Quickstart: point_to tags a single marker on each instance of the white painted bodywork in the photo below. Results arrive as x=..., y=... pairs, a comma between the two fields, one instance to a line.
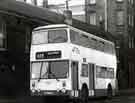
x=76, y=53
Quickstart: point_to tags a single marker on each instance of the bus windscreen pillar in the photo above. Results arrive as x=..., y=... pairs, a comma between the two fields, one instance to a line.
x=68, y=17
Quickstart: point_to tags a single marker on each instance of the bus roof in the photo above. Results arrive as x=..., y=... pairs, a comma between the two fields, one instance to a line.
x=53, y=26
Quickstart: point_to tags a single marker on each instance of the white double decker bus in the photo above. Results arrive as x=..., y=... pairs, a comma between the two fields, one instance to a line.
x=67, y=61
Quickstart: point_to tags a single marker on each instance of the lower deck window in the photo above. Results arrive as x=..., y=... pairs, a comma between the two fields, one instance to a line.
x=84, y=72
x=104, y=72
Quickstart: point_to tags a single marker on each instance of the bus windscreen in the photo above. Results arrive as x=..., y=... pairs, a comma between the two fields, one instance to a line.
x=49, y=70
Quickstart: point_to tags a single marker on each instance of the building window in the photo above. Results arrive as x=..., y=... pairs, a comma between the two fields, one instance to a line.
x=131, y=20
x=92, y=1
x=2, y=35
x=93, y=18
x=132, y=1
x=131, y=42
x=120, y=17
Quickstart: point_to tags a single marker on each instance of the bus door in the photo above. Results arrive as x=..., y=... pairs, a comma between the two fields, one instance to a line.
x=74, y=75
x=91, y=78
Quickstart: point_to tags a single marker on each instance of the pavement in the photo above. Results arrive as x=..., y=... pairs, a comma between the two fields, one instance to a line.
x=124, y=96
x=127, y=92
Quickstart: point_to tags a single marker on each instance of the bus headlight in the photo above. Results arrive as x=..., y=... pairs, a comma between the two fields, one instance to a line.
x=33, y=84
x=63, y=90
x=72, y=93
x=38, y=90
x=64, y=84
x=33, y=90
x=58, y=90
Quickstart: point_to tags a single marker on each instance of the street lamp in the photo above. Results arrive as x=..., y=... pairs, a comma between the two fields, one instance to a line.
x=67, y=6
x=68, y=14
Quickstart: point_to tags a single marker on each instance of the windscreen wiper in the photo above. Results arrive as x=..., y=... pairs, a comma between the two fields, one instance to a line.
x=50, y=73
x=40, y=72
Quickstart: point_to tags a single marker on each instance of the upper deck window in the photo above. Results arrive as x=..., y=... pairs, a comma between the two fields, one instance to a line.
x=91, y=42
x=40, y=37
x=79, y=38
x=57, y=36
x=50, y=36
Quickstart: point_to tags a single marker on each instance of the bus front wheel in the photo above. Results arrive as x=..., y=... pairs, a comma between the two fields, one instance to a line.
x=84, y=93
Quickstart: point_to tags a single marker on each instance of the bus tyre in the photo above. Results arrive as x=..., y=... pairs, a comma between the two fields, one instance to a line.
x=84, y=93
x=109, y=91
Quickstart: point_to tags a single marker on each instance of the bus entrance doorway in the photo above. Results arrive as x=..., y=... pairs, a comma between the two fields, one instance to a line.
x=91, y=79
x=74, y=71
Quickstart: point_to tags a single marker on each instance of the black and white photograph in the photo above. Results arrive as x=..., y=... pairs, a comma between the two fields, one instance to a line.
x=67, y=51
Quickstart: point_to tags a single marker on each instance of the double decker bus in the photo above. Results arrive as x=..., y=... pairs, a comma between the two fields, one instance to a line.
x=67, y=61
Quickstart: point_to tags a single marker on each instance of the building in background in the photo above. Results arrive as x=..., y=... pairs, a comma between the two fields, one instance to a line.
x=116, y=17
x=131, y=42
x=96, y=12
x=120, y=22
x=76, y=6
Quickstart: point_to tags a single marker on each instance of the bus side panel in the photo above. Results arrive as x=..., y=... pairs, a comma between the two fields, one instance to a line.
x=100, y=92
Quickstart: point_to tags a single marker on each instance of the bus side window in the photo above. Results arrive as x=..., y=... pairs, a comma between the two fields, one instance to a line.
x=101, y=72
x=104, y=72
x=93, y=43
x=84, y=71
x=84, y=40
x=79, y=38
x=98, y=71
x=110, y=72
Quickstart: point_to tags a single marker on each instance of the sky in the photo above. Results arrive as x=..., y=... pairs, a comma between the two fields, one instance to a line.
x=55, y=2
x=71, y=2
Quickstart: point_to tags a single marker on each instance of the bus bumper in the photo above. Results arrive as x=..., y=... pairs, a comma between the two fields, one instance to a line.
x=50, y=93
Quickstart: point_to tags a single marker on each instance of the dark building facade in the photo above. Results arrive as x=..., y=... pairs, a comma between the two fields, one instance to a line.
x=131, y=43
x=14, y=54
x=15, y=36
